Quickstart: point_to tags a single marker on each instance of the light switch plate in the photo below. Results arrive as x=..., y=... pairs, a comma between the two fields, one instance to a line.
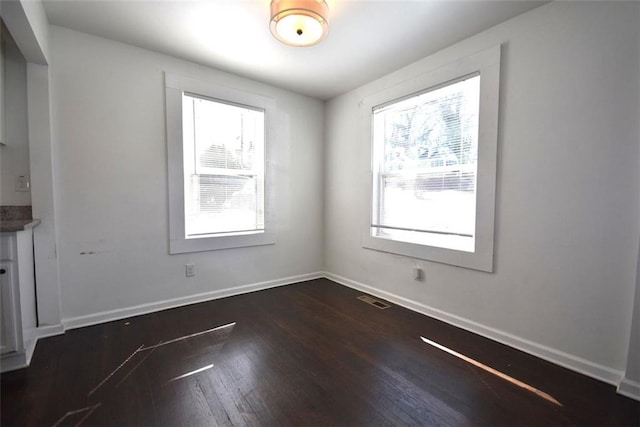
x=190, y=270
x=23, y=183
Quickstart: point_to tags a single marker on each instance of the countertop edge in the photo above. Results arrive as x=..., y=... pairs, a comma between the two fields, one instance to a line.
x=12, y=226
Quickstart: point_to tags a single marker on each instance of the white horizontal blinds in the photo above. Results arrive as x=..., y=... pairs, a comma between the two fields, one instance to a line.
x=426, y=152
x=224, y=167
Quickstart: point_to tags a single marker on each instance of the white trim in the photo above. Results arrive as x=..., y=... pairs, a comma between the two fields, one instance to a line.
x=569, y=361
x=629, y=388
x=29, y=348
x=123, y=313
x=603, y=373
x=487, y=64
x=43, y=194
x=42, y=332
x=48, y=331
x=18, y=360
x=174, y=87
x=13, y=361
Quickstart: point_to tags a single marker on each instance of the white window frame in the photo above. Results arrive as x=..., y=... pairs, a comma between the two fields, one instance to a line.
x=175, y=86
x=487, y=64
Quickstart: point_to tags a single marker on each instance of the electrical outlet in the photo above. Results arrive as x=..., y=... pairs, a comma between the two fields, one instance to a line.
x=418, y=274
x=190, y=270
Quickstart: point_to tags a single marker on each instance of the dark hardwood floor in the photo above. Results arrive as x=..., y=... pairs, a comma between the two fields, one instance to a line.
x=304, y=354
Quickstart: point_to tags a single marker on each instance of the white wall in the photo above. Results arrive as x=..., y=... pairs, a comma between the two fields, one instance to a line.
x=14, y=157
x=39, y=27
x=27, y=22
x=567, y=191
x=631, y=383
x=567, y=200
x=109, y=134
x=43, y=197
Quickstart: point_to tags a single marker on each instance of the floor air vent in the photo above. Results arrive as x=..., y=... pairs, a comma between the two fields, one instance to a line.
x=374, y=302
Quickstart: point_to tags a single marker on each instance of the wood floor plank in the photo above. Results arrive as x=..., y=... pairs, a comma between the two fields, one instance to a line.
x=304, y=354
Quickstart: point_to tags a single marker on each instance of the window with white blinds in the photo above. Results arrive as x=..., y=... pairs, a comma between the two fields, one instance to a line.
x=432, y=141
x=223, y=155
x=218, y=155
x=425, y=160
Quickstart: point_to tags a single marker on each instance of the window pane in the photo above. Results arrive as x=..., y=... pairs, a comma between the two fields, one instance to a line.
x=226, y=135
x=225, y=204
x=224, y=167
x=426, y=150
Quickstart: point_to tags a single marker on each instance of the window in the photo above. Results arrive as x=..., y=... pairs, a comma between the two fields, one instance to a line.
x=223, y=147
x=425, y=152
x=433, y=146
x=217, y=142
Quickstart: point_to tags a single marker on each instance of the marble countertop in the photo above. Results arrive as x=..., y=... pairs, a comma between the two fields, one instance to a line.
x=16, y=218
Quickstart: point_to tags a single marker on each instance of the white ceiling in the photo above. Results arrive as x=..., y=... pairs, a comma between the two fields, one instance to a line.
x=367, y=39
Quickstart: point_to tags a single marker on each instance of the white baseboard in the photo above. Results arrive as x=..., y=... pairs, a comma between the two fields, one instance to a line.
x=629, y=388
x=626, y=387
x=45, y=331
x=123, y=313
x=569, y=361
x=20, y=359
x=30, y=347
x=13, y=361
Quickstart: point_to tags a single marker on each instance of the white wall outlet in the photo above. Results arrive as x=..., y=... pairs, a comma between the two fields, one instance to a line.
x=190, y=270
x=418, y=274
x=23, y=183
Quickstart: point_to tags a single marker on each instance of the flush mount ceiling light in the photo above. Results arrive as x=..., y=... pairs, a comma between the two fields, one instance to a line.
x=299, y=22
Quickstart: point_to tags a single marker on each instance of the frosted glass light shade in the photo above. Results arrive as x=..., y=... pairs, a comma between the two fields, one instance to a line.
x=299, y=22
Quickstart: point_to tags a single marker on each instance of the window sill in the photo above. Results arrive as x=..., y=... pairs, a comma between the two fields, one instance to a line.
x=479, y=260
x=200, y=244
